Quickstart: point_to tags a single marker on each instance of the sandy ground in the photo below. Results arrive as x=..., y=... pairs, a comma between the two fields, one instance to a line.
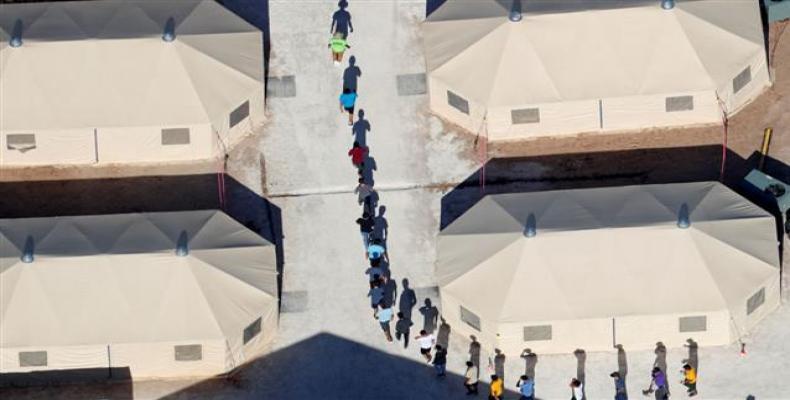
x=328, y=346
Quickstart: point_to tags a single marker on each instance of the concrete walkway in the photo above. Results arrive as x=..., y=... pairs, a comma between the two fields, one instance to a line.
x=328, y=345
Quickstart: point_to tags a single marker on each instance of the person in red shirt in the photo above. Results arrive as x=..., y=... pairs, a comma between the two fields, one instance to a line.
x=357, y=154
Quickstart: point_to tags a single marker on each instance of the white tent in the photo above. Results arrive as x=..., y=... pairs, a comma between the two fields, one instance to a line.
x=592, y=66
x=560, y=270
x=93, y=82
x=164, y=294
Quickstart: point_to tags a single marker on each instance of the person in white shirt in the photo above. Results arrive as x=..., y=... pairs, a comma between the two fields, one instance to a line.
x=577, y=389
x=426, y=341
x=470, y=378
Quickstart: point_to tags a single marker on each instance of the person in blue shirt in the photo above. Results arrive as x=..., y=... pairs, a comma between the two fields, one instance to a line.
x=619, y=386
x=347, y=101
x=385, y=316
x=526, y=387
x=376, y=251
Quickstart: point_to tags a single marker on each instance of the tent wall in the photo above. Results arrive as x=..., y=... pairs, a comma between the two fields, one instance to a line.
x=157, y=360
x=642, y=332
x=241, y=353
x=760, y=80
x=145, y=144
x=233, y=135
x=72, y=357
x=741, y=322
x=438, y=102
x=66, y=146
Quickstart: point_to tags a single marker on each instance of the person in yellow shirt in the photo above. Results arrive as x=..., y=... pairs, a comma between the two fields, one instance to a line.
x=690, y=379
x=497, y=388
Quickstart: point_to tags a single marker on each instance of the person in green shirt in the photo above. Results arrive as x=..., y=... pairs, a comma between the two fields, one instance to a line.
x=338, y=45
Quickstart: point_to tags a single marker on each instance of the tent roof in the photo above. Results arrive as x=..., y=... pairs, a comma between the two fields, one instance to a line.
x=579, y=50
x=607, y=252
x=117, y=279
x=104, y=64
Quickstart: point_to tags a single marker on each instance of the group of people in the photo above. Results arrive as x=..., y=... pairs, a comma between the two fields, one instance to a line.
x=382, y=292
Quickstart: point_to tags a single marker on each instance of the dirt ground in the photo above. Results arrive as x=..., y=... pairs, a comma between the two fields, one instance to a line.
x=745, y=133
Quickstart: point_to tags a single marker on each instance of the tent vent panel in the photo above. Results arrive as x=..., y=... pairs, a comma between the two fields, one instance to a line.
x=458, y=102
x=697, y=323
x=679, y=103
x=755, y=301
x=32, y=358
x=252, y=330
x=525, y=116
x=537, y=332
x=21, y=141
x=175, y=136
x=742, y=79
x=240, y=113
x=189, y=352
x=470, y=318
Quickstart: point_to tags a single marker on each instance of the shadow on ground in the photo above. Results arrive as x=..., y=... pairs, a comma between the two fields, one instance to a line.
x=323, y=366
x=607, y=169
x=145, y=194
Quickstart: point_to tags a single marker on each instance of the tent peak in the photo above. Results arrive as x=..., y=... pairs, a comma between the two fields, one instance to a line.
x=667, y=4
x=28, y=251
x=683, y=217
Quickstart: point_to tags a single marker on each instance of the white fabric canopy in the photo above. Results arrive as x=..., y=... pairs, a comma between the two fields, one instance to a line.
x=582, y=66
x=94, y=82
x=111, y=287
x=609, y=265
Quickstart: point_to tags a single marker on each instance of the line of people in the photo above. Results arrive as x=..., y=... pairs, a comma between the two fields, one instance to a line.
x=382, y=292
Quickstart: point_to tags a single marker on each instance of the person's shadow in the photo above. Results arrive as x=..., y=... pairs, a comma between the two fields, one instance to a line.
x=581, y=360
x=390, y=290
x=367, y=170
x=530, y=362
x=351, y=74
x=474, y=353
x=622, y=366
x=408, y=299
x=443, y=336
x=361, y=128
x=341, y=20
x=499, y=364
x=661, y=359
x=381, y=226
x=430, y=316
x=693, y=358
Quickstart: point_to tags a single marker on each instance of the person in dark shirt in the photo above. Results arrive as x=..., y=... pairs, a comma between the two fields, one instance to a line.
x=366, y=225
x=440, y=360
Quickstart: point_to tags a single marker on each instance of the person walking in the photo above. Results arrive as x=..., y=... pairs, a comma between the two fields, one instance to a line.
x=470, y=378
x=347, y=100
x=619, y=386
x=496, y=389
x=385, y=316
x=357, y=154
x=364, y=194
x=366, y=225
x=338, y=45
x=577, y=389
x=526, y=387
x=440, y=361
x=376, y=294
x=690, y=380
x=376, y=251
x=658, y=384
x=341, y=20
x=402, y=328
x=375, y=272
x=426, y=342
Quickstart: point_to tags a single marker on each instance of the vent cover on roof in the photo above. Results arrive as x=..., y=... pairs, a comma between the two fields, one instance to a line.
x=531, y=227
x=182, y=246
x=667, y=4
x=170, y=30
x=515, y=11
x=683, y=217
x=16, y=34
x=29, y=249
